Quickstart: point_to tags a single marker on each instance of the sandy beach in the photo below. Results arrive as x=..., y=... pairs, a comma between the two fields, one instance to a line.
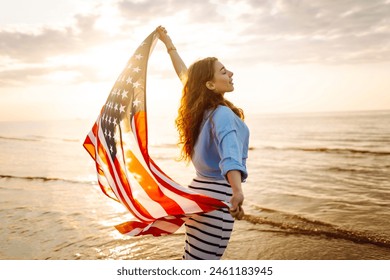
x=58, y=225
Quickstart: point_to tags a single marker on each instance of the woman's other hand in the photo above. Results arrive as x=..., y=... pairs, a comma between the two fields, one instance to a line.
x=234, y=179
x=236, y=209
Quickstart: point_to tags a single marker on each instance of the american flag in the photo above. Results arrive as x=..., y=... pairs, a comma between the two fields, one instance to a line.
x=118, y=143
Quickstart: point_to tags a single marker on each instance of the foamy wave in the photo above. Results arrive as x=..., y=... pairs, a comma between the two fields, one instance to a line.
x=296, y=224
x=330, y=150
x=36, y=138
x=17, y=139
x=46, y=179
x=165, y=145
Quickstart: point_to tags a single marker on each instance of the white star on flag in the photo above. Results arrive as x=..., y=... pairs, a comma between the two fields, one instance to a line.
x=124, y=94
x=136, y=102
x=129, y=80
x=136, y=85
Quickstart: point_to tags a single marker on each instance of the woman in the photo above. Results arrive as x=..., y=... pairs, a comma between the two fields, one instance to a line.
x=215, y=138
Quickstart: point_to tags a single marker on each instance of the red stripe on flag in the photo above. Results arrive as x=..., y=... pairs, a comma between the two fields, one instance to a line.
x=151, y=228
x=140, y=123
x=88, y=144
x=206, y=203
x=117, y=169
x=149, y=185
x=141, y=131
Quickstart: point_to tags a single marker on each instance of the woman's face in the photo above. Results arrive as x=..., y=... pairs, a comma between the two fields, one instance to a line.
x=222, y=81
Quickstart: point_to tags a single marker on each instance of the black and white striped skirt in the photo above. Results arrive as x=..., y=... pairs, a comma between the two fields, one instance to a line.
x=208, y=234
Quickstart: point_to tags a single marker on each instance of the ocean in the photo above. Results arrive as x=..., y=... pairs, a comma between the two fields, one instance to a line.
x=318, y=189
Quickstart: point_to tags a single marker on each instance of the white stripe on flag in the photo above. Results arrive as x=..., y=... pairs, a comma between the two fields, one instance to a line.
x=117, y=188
x=188, y=205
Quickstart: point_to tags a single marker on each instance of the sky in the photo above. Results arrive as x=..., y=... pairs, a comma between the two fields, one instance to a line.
x=59, y=59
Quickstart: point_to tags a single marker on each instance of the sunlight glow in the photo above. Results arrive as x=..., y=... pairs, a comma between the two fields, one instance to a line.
x=63, y=76
x=275, y=69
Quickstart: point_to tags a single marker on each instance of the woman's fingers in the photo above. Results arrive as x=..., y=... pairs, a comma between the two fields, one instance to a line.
x=237, y=213
x=161, y=29
x=240, y=214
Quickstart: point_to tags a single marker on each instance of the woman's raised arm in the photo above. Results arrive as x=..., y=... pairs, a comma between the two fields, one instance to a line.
x=178, y=63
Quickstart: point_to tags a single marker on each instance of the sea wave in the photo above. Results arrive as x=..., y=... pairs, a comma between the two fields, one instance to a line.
x=17, y=139
x=37, y=138
x=165, y=145
x=297, y=224
x=358, y=170
x=46, y=179
x=330, y=150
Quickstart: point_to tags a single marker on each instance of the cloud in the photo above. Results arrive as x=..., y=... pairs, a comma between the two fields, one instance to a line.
x=20, y=76
x=318, y=31
x=149, y=10
x=47, y=42
x=32, y=53
x=281, y=31
x=246, y=31
x=45, y=74
x=29, y=56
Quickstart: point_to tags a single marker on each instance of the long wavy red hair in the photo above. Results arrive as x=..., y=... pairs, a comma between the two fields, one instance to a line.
x=195, y=101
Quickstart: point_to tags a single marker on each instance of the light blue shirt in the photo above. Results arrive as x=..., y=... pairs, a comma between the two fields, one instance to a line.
x=222, y=145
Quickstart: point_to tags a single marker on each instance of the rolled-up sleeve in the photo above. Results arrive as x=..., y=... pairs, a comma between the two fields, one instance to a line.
x=230, y=151
x=230, y=147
